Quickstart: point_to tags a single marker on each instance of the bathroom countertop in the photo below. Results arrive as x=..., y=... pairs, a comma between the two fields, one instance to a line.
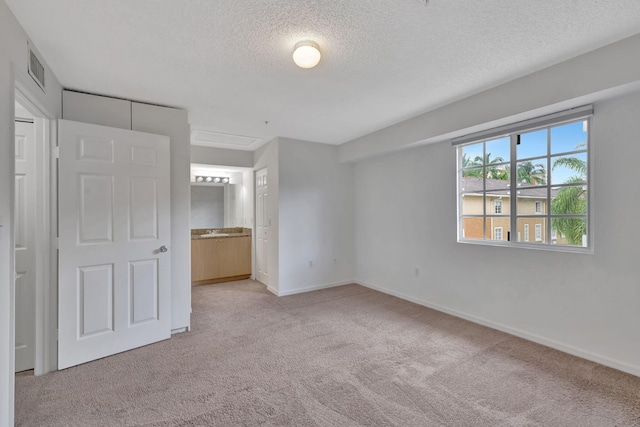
x=220, y=233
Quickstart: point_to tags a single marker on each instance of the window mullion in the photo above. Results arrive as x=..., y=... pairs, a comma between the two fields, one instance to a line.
x=549, y=177
x=484, y=190
x=513, y=178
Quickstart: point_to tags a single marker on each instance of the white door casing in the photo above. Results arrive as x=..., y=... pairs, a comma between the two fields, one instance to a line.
x=262, y=227
x=25, y=207
x=114, y=216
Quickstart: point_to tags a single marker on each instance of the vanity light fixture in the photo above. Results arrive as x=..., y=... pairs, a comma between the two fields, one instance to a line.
x=306, y=54
x=213, y=179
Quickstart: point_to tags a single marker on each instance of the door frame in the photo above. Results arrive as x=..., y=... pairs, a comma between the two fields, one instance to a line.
x=46, y=316
x=255, y=225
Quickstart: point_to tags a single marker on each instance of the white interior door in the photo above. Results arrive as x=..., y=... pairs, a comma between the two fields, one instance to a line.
x=114, y=231
x=262, y=227
x=25, y=206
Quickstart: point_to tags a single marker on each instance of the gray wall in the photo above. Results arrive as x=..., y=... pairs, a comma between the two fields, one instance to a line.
x=583, y=304
x=221, y=156
x=207, y=206
x=316, y=217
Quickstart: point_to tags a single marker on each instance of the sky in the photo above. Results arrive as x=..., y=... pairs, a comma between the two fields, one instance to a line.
x=564, y=138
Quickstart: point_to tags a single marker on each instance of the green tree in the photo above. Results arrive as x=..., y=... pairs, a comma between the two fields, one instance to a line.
x=530, y=173
x=468, y=162
x=571, y=201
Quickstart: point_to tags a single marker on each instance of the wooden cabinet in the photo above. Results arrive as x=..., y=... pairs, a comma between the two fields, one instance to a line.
x=220, y=259
x=204, y=259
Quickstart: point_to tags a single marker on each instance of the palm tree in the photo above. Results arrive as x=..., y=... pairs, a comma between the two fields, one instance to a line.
x=467, y=162
x=530, y=173
x=571, y=201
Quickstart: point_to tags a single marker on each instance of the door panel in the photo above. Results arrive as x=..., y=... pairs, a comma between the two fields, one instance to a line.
x=143, y=222
x=96, y=208
x=24, y=218
x=95, y=288
x=262, y=227
x=114, y=284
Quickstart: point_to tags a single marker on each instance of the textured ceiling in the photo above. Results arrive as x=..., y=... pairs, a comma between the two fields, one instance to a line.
x=228, y=62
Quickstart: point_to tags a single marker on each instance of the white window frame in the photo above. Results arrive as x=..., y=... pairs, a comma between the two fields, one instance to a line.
x=496, y=231
x=538, y=233
x=538, y=207
x=579, y=114
x=526, y=232
x=497, y=206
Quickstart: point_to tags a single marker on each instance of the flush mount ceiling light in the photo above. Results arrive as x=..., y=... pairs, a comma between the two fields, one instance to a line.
x=306, y=54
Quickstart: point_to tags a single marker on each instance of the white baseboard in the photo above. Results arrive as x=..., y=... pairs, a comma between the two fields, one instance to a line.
x=603, y=360
x=179, y=330
x=272, y=290
x=311, y=288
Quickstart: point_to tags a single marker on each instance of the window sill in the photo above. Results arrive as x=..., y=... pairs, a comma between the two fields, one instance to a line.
x=533, y=246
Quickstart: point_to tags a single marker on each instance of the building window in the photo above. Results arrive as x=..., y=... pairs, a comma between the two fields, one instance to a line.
x=543, y=162
x=497, y=233
x=497, y=207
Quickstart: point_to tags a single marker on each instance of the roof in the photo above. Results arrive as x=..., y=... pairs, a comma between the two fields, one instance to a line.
x=499, y=187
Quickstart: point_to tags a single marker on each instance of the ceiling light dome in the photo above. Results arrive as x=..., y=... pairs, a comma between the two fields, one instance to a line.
x=306, y=54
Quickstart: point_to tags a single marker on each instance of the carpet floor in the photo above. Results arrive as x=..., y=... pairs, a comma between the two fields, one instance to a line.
x=346, y=356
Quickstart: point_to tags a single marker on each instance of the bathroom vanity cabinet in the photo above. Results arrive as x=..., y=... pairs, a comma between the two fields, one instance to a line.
x=220, y=259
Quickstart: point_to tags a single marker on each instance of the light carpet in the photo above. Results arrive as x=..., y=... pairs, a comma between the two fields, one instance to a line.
x=345, y=356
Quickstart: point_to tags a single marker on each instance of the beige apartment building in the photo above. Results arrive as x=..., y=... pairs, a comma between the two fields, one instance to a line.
x=531, y=202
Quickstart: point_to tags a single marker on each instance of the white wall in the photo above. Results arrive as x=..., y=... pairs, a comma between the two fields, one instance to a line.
x=569, y=84
x=316, y=217
x=221, y=156
x=267, y=157
x=584, y=304
x=13, y=62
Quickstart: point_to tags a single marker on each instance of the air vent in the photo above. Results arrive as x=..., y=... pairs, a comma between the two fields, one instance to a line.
x=36, y=69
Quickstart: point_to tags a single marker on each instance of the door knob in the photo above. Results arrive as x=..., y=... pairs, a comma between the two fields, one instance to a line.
x=163, y=249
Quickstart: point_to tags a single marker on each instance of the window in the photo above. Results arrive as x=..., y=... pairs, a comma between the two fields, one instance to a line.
x=543, y=162
x=497, y=207
x=497, y=233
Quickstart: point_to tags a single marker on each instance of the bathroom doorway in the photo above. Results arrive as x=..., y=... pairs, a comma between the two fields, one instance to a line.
x=35, y=263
